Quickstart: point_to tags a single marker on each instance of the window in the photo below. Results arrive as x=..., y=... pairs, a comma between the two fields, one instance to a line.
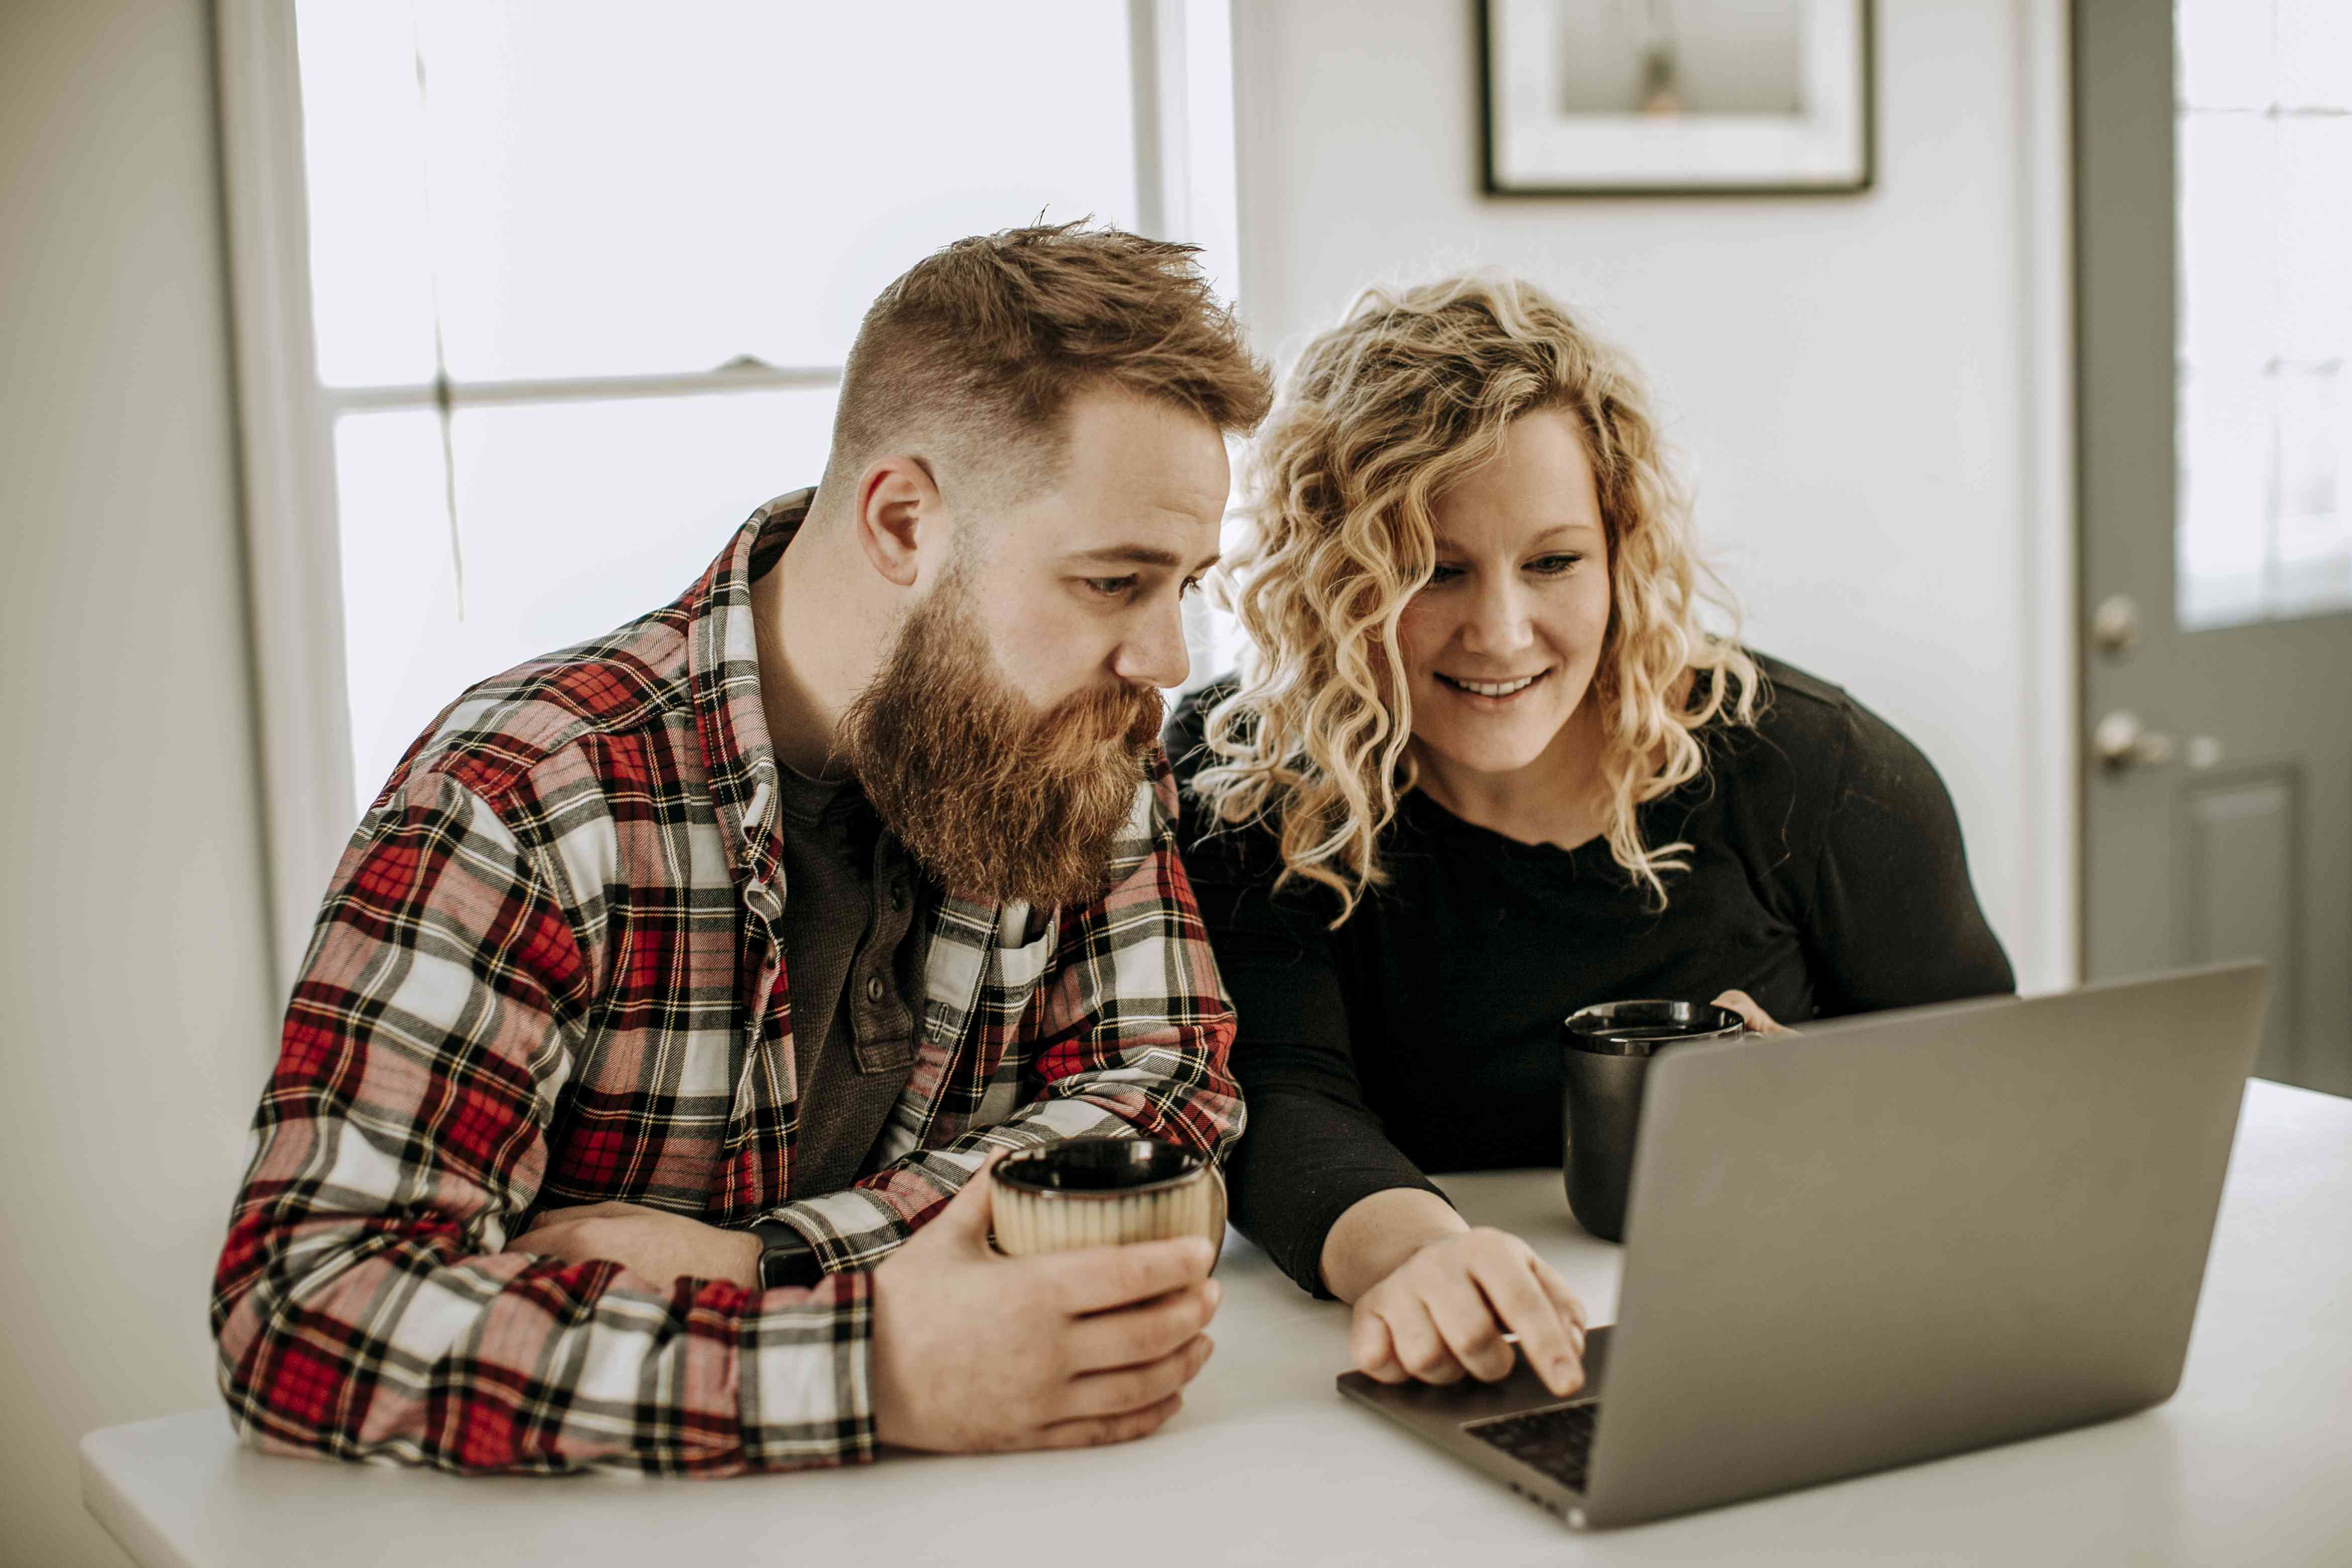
x=557, y=292
x=583, y=278
x=2264, y=134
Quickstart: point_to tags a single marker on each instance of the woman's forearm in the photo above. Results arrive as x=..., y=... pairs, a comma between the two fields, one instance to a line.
x=1376, y=1234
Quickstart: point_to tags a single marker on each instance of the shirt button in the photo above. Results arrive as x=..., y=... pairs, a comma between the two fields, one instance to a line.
x=873, y=988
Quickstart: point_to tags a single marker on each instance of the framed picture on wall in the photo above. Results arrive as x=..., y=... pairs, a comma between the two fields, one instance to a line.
x=1592, y=97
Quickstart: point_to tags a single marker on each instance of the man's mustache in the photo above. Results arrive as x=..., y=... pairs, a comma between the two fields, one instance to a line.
x=1087, y=722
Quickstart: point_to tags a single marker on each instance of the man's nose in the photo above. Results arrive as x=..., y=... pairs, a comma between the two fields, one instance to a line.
x=1154, y=653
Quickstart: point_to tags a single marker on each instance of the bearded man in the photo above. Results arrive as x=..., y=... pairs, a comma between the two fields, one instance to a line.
x=635, y=1096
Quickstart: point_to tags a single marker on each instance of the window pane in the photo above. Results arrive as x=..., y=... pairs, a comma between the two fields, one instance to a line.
x=615, y=188
x=2225, y=53
x=2307, y=431
x=371, y=287
x=573, y=518
x=2224, y=546
x=2314, y=245
x=402, y=662
x=2313, y=569
x=2314, y=54
x=2229, y=239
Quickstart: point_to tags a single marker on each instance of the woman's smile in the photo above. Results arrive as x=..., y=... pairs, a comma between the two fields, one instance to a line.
x=1490, y=695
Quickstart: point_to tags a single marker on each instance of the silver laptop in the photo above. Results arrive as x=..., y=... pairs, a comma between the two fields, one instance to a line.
x=1883, y=1240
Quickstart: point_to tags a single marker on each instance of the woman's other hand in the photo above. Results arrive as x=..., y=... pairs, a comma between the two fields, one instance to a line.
x=1444, y=1310
x=1757, y=1019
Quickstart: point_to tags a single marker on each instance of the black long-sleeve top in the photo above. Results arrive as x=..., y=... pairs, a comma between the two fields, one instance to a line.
x=1826, y=877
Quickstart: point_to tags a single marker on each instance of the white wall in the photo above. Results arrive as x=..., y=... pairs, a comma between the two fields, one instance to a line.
x=136, y=1021
x=1859, y=383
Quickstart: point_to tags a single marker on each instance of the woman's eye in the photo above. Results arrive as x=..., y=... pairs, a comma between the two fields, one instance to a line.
x=1552, y=566
x=1444, y=574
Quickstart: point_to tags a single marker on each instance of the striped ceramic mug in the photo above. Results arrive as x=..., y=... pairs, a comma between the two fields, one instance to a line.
x=1101, y=1192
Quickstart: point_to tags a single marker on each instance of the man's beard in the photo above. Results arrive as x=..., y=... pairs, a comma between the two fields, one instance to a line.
x=997, y=800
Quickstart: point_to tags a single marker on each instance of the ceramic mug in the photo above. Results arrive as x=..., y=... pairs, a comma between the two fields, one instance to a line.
x=1606, y=1051
x=1104, y=1192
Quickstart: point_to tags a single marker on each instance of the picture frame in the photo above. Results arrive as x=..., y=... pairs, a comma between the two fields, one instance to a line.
x=1677, y=97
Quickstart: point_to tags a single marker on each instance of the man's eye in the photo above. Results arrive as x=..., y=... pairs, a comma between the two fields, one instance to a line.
x=1192, y=585
x=1110, y=587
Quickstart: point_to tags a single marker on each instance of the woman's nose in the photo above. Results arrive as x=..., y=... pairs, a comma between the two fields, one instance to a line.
x=1499, y=621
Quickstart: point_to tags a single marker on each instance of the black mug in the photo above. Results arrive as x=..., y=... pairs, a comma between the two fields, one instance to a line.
x=1606, y=1050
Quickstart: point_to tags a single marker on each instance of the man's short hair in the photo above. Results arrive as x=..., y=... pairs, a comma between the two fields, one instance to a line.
x=975, y=350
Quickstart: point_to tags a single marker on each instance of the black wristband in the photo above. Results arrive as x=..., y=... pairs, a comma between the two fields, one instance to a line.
x=786, y=1257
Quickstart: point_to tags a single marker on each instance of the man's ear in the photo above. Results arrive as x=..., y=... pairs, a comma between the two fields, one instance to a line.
x=897, y=503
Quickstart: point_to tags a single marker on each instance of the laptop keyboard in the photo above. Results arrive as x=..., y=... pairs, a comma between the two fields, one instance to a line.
x=1557, y=1441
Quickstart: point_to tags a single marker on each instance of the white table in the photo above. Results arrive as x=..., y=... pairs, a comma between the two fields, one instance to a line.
x=2250, y=1462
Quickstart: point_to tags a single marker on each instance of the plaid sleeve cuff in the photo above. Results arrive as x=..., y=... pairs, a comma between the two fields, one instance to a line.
x=858, y=1226
x=806, y=1387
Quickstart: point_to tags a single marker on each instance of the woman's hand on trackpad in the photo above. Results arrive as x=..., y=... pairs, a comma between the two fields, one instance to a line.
x=1446, y=1312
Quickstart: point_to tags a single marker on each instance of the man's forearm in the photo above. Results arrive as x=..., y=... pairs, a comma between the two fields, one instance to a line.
x=1376, y=1234
x=652, y=1243
x=768, y=1380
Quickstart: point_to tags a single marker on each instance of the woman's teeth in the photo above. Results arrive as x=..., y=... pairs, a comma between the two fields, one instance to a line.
x=1492, y=688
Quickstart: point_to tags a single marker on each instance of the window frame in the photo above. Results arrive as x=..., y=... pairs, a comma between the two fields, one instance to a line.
x=1180, y=58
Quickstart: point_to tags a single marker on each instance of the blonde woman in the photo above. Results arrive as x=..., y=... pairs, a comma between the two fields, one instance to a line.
x=1484, y=766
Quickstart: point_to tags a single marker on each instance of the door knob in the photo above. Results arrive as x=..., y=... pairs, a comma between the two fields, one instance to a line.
x=2114, y=625
x=2123, y=741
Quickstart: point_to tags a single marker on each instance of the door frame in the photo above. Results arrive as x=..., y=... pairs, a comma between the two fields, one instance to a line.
x=2049, y=357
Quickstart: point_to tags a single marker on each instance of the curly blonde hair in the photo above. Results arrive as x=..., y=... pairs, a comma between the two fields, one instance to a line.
x=1379, y=416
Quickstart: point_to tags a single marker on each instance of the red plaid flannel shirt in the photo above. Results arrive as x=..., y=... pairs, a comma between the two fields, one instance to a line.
x=549, y=972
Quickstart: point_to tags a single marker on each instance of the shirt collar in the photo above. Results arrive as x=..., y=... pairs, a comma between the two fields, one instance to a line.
x=722, y=662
